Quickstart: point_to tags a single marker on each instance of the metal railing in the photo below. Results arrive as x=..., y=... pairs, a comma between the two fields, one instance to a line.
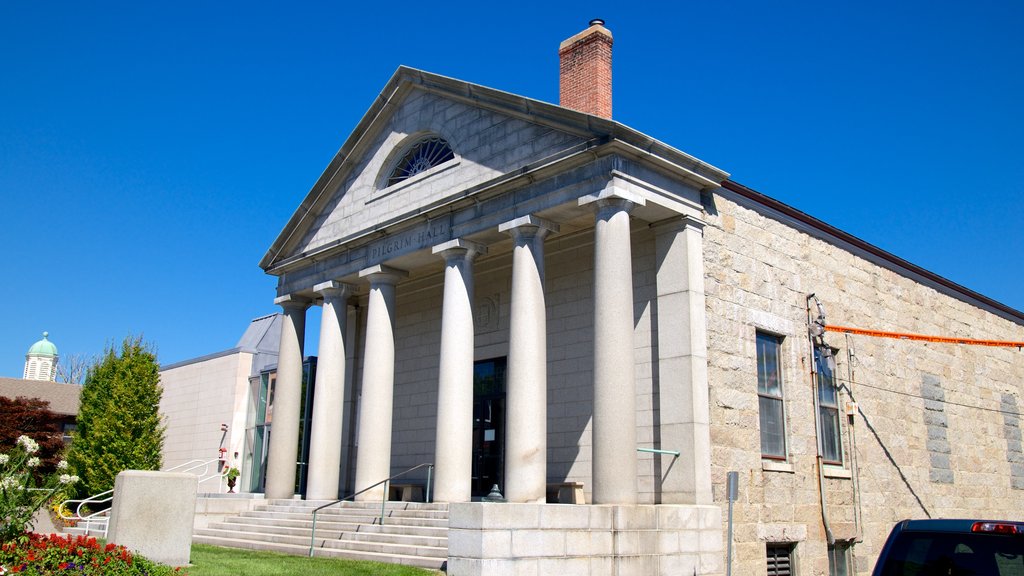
x=98, y=522
x=387, y=483
x=659, y=451
x=94, y=522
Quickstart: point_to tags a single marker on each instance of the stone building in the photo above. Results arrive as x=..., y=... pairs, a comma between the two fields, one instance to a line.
x=532, y=295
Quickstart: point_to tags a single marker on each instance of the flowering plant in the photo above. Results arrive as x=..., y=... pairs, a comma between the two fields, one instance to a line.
x=55, y=554
x=21, y=494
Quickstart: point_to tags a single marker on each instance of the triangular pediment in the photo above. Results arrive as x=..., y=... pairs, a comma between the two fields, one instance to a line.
x=491, y=133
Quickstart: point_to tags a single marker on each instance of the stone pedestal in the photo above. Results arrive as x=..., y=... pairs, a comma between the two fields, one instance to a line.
x=152, y=514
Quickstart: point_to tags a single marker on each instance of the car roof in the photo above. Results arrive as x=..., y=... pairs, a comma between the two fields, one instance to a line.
x=946, y=524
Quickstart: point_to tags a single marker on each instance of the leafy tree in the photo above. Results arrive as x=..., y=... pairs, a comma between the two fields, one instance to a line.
x=119, y=425
x=32, y=417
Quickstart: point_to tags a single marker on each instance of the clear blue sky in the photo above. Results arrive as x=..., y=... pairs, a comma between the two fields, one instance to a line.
x=151, y=152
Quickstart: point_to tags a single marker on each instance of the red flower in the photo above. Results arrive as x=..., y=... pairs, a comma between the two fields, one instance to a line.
x=110, y=547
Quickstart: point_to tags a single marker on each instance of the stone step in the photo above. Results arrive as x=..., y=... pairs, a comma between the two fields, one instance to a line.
x=391, y=504
x=298, y=550
x=352, y=518
x=372, y=546
x=339, y=526
x=355, y=511
x=365, y=533
x=413, y=533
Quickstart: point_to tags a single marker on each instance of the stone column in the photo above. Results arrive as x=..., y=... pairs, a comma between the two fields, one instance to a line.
x=329, y=395
x=526, y=446
x=373, y=459
x=454, y=440
x=682, y=371
x=614, y=423
x=284, y=437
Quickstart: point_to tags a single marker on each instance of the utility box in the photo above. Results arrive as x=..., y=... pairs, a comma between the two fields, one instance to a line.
x=152, y=514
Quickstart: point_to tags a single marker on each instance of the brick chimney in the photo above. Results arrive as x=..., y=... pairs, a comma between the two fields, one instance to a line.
x=585, y=71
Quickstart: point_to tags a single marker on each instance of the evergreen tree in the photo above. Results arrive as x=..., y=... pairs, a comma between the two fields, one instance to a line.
x=119, y=425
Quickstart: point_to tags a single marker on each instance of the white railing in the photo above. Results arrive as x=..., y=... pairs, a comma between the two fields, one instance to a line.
x=98, y=522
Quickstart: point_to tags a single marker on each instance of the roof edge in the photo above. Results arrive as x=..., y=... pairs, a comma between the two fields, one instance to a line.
x=908, y=268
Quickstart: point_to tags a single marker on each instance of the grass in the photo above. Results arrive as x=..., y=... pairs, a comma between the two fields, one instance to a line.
x=217, y=561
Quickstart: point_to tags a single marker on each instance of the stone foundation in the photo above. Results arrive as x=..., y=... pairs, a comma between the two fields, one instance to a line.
x=487, y=539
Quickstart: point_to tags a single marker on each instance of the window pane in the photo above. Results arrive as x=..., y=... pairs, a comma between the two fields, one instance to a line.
x=773, y=439
x=838, y=562
x=769, y=378
x=769, y=388
x=828, y=410
x=830, y=451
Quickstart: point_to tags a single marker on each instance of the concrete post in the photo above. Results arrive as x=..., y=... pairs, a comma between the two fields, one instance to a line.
x=454, y=440
x=329, y=395
x=682, y=362
x=373, y=459
x=614, y=424
x=284, y=437
x=527, y=395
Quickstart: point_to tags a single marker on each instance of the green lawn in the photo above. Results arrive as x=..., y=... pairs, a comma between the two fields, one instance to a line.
x=217, y=561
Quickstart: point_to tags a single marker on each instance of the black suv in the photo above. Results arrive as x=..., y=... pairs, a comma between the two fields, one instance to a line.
x=953, y=548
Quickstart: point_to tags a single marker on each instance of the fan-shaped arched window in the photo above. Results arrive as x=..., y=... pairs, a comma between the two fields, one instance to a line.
x=422, y=157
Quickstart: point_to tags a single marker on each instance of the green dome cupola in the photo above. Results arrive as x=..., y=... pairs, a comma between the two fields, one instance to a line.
x=41, y=360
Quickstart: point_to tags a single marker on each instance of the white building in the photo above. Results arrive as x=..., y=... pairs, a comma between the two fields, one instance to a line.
x=529, y=294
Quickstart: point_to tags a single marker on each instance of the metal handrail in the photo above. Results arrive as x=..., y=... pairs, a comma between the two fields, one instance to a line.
x=101, y=518
x=659, y=451
x=386, y=482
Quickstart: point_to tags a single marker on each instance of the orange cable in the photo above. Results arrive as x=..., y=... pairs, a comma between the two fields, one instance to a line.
x=923, y=337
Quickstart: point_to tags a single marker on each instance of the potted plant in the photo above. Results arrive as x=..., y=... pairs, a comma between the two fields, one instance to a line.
x=232, y=475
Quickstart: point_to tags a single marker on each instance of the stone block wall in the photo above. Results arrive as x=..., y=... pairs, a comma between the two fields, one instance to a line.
x=486, y=539
x=930, y=435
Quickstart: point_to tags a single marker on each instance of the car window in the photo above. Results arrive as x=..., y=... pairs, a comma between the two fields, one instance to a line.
x=953, y=554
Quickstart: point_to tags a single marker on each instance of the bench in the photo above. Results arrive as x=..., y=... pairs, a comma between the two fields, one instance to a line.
x=565, y=493
x=410, y=492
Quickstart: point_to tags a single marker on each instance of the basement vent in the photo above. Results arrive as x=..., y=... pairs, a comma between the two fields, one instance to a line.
x=779, y=561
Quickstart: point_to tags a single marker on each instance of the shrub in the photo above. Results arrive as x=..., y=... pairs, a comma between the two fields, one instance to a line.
x=57, y=554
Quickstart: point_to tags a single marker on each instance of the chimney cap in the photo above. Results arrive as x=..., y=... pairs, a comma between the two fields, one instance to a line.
x=597, y=22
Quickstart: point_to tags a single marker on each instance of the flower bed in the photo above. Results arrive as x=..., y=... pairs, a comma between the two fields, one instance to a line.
x=39, y=554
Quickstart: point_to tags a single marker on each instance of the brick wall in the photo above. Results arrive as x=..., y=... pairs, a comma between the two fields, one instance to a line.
x=585, y=72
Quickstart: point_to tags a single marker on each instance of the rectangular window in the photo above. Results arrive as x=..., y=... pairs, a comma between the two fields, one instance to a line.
x=828, y=405
x=839, y=559
x=779, y=560
x=769, y=392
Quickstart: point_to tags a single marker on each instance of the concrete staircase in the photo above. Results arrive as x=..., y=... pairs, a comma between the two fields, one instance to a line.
x=413, y=533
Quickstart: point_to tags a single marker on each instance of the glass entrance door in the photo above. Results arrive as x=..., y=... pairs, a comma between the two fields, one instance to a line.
x=488, y=425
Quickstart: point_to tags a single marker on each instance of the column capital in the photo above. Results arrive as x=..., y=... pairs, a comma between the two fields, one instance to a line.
x=381, y=274
x=292, y=302
x=678, y=224
x=529, y=221
x=612, y=196
x=334, y=289
x=459, y=246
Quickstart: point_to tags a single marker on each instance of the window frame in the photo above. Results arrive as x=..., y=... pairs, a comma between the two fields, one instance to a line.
x=764, y=393
x=829, y=421
x=839, y=556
